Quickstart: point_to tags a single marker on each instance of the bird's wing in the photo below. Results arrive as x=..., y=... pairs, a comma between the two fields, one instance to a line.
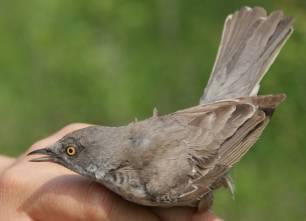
x=223, y=133
x=250, y=42
x=187, y=151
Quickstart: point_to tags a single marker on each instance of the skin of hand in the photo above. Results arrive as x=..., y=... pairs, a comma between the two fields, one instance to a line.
x=48, y=192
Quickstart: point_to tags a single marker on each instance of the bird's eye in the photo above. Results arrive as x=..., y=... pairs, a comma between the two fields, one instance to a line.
x=71, y=150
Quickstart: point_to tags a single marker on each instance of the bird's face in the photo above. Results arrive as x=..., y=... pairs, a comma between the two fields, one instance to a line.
x=71, y=152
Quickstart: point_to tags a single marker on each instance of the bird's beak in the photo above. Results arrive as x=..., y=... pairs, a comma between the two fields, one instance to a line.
x=50, y=156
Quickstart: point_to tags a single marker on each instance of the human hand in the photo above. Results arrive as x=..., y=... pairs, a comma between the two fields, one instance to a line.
x=48, y=192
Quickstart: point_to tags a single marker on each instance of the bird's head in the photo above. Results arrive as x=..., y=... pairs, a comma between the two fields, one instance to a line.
x=75, y=151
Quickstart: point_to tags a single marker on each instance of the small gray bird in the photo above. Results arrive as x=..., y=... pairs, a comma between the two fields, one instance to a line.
x=180, y=158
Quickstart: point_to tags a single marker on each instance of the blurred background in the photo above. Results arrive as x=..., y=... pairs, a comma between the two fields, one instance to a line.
x=107, y=62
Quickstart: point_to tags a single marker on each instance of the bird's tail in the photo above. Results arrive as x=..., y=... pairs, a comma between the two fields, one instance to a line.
x=250, y=42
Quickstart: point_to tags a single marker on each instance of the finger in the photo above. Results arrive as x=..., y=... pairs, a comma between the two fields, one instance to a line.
x=174, y=213
x=84, y=200
x=58, y=135
x=5, y=162
x=205, y=216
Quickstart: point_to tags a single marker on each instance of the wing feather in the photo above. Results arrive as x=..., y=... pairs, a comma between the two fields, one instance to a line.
x=237, y=129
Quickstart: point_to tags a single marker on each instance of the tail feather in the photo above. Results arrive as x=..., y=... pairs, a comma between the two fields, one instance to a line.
x=250, y=42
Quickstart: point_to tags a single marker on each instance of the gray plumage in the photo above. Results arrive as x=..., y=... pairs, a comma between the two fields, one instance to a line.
x=250, y=42
x=180, y=158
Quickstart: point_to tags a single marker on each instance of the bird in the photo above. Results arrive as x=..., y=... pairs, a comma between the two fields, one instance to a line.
x=181, y=158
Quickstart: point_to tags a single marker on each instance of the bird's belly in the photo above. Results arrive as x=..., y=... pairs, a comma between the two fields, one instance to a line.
x=137, y=192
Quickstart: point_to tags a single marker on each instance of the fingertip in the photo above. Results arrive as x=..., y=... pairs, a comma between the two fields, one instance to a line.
x=206, y=216
x=72, y=127
x=174, y=213
x=68, y=129
x=218, y=219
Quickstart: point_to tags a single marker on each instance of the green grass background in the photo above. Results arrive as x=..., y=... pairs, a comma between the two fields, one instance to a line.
x=106, y=62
